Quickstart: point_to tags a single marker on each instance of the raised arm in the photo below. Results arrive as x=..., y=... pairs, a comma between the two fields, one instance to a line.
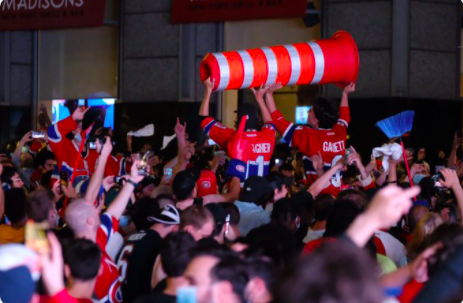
x=117, y=207
x=346, y=91
x=97, y=177
x=18, y=151
x=57, y=131
x=129, y=144
x=259, y=94
x=322, y=182
x=185, y=149
x=452, y=181
x=354, y=158
x=386, y=208
x=269, y=97
x=209, y=86
x=453, y=153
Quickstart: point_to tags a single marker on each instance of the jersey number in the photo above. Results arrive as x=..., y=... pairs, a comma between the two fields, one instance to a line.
x=122, y=264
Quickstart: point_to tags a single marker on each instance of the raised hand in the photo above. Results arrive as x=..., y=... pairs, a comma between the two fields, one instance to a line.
x=134, y=172
x=27, y=138
x=274, y=87
x=390, y=204
x=108, y=182
x=259, y=93
x=450, y=178
x=52, y=267
x=419, y=267
x=209, y=84
x=79, y=113
x=180, y=129
x=457, y=141
x=349, y=88
x=106, y=148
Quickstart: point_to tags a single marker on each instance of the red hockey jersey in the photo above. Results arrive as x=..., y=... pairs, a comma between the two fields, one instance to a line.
x=67, y=151
x=250, y=151
x=115, y=166
x=107, y=287
x=331, y=143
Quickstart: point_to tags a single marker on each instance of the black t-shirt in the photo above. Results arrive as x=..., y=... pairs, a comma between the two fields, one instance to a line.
x=156, y=298
x=136, y=263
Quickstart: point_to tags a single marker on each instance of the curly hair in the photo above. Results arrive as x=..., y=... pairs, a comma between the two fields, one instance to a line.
x=326, y=111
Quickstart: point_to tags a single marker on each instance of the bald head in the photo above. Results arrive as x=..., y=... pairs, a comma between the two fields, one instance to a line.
x=80, y=215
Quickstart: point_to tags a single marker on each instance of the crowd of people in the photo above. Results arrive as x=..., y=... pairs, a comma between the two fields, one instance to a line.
x=268, y=211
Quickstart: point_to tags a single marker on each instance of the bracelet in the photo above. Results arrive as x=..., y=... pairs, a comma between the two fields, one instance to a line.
x=133, y=183
x=392, y=182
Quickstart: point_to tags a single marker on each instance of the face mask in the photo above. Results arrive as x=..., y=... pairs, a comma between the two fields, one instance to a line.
x=417, y=178
x=186, y=294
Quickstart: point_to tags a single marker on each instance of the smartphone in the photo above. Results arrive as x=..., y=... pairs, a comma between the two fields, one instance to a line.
x=277, y=161
x=186, y=294
x=142, y=165
x=348, y=152
x=167, y=171
x=63, y=177
x=36, y=237
x=38, y=135
x=81, y=102
x=92, y=145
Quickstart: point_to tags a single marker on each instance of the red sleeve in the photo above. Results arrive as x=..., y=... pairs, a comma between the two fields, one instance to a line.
x=344, y=115
x=109, y=225
x=63, y=297
x=295, y=136
x=283, y=126
x=219, y=133
x=57, y=131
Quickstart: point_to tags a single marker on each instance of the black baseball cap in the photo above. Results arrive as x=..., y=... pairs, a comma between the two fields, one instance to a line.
x=218, y=213
x=254, y=188
x=185, y=182
x=277, y=180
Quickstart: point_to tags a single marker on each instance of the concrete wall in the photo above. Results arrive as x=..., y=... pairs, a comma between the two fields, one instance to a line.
x=408, y=48
x=160, y=61
x=17, y=64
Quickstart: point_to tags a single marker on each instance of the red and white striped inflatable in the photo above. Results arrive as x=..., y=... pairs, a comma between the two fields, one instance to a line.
x=334, y=60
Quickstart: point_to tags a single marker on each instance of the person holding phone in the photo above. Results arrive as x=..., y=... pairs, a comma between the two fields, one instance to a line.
x=66, y=139
x=84, y=218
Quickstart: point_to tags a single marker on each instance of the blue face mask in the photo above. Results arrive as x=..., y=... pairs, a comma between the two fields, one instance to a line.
x=124, y=221
x=418, y=177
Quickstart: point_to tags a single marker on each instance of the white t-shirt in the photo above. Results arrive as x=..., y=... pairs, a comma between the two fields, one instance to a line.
x=395, y=250
x=313, y=235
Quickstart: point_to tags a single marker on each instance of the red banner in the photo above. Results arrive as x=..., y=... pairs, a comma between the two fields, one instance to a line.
x=49, y=14
x=196, y=11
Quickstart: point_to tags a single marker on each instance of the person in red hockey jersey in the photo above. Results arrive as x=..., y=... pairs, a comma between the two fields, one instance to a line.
x=251, y=148
x=325, y=134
